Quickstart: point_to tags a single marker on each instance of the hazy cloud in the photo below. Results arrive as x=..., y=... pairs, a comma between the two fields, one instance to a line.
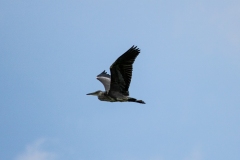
x=35, y=152
x=195, y=154
x=227, y=22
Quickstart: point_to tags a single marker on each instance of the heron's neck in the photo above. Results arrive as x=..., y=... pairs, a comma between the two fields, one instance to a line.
x=100, y=93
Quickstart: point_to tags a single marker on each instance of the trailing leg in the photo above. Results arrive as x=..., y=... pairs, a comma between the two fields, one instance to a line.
x=135, y=100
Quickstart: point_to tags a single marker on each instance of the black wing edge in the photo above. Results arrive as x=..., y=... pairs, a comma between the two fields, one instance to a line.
x=104, y=74
x=134, y=47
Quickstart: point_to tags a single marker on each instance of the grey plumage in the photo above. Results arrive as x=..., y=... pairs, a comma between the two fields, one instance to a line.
x=105, y=79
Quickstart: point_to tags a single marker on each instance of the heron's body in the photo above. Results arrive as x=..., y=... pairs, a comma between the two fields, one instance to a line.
x=116, y=85
x=114, y=97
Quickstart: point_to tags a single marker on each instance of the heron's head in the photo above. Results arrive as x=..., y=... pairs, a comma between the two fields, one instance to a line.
x=95, y=93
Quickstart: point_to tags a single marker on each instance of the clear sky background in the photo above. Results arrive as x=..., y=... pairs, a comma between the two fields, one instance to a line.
x=188, y=73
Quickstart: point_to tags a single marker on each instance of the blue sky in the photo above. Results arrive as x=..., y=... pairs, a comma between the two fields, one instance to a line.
x=187, y=73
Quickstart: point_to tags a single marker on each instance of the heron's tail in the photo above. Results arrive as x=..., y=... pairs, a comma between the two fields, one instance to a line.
x=135, y=100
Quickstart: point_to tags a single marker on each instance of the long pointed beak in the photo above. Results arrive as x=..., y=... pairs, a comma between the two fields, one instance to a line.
x=91, y=93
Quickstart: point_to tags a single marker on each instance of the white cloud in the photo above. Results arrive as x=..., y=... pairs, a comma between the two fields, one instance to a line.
x=34, y=152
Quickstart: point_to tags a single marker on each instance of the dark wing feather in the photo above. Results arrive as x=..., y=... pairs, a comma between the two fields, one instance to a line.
x=121, y=71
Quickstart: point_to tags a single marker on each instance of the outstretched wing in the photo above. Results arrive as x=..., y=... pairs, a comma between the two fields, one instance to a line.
x=121, y=71
x=105, y=79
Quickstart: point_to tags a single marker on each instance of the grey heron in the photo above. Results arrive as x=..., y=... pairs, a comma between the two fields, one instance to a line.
x=116, y=86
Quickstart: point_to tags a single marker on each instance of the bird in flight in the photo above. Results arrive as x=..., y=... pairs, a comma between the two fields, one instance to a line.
x=116, y=86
